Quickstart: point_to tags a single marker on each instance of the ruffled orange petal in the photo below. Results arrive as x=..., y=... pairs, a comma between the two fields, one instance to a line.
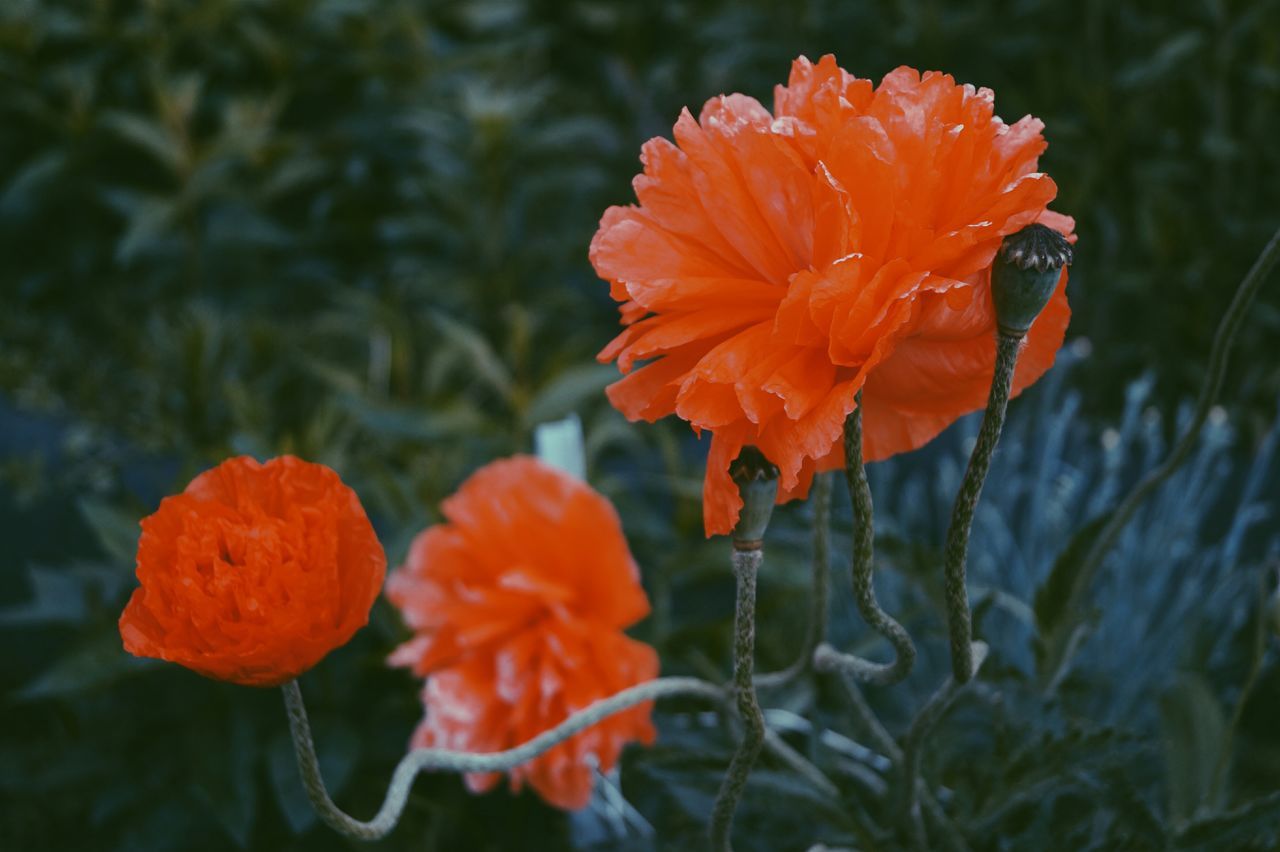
x=940, y=375
x=851, y=234
x=254, y=573
x=518, y=602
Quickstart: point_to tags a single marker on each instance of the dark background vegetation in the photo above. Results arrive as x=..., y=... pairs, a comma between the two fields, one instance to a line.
x=356, y=231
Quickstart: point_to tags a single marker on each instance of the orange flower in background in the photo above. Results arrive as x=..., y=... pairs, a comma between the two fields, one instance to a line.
x=776, y=264
x=254, y=573
x=518, y=603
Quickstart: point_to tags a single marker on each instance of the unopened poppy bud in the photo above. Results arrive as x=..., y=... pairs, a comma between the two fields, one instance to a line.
x=757, y=480
x=1025, y=273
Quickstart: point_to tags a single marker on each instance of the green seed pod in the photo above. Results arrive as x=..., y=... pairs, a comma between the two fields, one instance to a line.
x=757, y=480
x=1024, y=276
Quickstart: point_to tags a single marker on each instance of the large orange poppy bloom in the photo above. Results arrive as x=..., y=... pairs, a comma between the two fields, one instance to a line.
x=518, y=603
x=776, y=264
x=254, y=573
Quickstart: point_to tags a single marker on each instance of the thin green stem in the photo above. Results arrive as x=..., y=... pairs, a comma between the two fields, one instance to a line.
x=950, y=833
x=819, y=594
x=746, y=565
x=884, y=741
x=959, y=622
x=1246, y=691
x=1216, y=372
x=825, y=657
x=797, y=763
x=875, y=729
x=924, y=722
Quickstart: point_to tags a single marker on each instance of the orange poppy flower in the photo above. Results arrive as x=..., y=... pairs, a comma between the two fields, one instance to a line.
x=518, y=603
x=254, y=573
x=776, y=264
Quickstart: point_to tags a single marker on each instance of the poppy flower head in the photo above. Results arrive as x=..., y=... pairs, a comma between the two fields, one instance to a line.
x=518, y=602
x=254, y=573
x=776, y=264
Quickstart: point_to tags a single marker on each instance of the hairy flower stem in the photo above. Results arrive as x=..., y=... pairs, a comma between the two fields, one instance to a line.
x=825, y=657
x=818, y=603
x=746, y=564
x=957, y=549
x=422, y=759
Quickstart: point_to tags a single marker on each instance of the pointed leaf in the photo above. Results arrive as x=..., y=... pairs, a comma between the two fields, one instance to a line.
x=1194, y=736
x=480, y=360
x=147, y=135
x=569, y=390
x=229, y=783
x=95, y=664
x=57, y=597
x=1058, y=627
x=117, y=531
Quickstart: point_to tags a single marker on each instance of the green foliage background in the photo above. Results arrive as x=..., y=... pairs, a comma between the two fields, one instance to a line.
x=357, y=231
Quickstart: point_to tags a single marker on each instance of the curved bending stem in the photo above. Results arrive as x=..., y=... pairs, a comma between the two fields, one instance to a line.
x=957, y=550
x=817, y=628
x=825, y=657
x=1216, y=371
x=421, y=759
x=459, y=761
x=746, y=564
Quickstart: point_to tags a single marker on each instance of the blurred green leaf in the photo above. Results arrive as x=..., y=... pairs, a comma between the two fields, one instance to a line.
x=1194, y=736
x=167, y=824
x=1056, y=625
x=481, y=361
x=227, y=779
x=150, y=221
x=96, y=662
x=117, y=531
x=30, y=180
x=568, y=391
x=1169, y=56
x=57, y=597
x=147, y=135
x=338, y=752
x=1256, y=824
x=407, y=423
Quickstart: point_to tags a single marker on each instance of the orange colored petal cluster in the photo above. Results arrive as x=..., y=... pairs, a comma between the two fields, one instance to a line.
x=778, y=263
x=518, y=603
x=254, y=573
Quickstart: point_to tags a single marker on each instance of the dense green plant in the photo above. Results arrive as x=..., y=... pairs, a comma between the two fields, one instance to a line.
x=356, y=231
x=168, y=167
x=1125, y=742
